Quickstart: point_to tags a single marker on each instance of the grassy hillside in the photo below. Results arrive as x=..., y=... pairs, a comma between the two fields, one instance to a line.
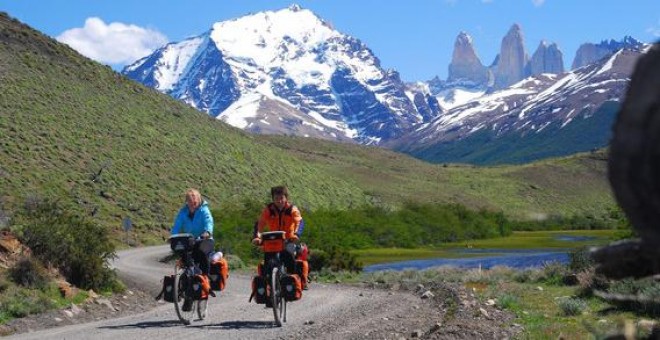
x=101, y=144
x=562, y=186
x=78, y=131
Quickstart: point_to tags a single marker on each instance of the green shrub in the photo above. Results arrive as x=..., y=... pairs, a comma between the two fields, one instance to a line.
x=235, y=262
x=18, y=303
x=77, y=246
x=28, y=272
x=572, y=306
x=627, y=286
x=647, y=287
x=318, y=259
x=508, y=301
x=335, y=259
x=553, y=273
x=523, y=276
x=651, y=291
x=580, y=260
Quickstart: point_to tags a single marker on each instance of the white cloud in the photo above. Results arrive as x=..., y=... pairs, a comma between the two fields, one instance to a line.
x=654, y=30
x=538, y=3
x=114, y=43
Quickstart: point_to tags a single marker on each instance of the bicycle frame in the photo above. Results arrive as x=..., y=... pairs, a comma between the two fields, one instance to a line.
x=184, y=272
x=273, y=271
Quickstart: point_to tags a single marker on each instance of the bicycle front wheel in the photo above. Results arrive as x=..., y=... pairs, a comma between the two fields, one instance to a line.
x=279, y=304
x=184, y=305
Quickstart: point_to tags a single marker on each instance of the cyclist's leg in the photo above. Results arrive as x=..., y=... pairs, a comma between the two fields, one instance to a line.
x=201, y=258
x=289, y=262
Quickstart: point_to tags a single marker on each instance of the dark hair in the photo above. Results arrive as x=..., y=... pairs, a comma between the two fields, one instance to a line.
x=279, y=190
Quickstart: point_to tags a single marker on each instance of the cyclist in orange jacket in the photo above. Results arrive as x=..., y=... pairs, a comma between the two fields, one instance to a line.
x=281, y=215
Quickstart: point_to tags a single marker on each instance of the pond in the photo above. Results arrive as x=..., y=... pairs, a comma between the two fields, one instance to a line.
x=490, y=257
x=516, y=258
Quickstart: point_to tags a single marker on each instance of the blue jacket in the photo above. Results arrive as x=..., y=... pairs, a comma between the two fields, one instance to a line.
x=200, y=222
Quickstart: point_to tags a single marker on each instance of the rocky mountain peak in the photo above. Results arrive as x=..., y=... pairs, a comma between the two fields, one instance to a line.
x=547, y=59
x=465, y=65
x=512, y=60
x=287, y=72
x=295, y=8
x=589, y=53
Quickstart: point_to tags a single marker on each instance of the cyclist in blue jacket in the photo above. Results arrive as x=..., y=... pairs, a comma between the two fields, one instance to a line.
x=195, y=218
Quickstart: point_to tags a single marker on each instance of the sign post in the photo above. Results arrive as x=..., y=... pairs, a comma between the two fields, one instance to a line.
x=128, y=224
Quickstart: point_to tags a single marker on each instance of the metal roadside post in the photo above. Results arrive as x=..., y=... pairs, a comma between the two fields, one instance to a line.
x=128, y=224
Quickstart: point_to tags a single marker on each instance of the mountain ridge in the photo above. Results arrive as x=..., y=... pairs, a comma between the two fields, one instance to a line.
x=527, y=108
x=289, y=72
x=293, y=56
x=108, y=147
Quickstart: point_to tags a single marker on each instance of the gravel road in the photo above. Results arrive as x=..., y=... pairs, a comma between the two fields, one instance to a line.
x=324, y=312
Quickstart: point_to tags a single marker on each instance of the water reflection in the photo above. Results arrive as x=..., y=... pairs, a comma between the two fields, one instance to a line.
x=571, y=238
x=518, y=259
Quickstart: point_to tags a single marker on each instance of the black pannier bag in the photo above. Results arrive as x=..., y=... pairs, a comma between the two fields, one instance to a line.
x=167, y=292
x=259, y=290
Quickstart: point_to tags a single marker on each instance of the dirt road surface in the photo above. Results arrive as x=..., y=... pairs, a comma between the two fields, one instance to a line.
x=324, y=312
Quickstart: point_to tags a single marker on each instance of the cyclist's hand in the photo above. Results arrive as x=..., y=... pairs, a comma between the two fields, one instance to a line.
x=293, y=239
x=256, y=241
x=205, y=235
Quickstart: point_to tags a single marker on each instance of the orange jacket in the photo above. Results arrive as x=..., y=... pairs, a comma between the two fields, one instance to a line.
x=286, y=220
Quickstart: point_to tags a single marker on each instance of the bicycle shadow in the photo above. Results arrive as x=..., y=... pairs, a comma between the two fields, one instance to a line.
x=146, y=324
x=239, y=325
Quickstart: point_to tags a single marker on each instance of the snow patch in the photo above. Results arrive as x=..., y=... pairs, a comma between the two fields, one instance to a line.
x=609, y=64
x=238, y=113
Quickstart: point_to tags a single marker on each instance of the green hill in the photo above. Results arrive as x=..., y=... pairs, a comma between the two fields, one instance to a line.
x=560, y=186
x=77, y=131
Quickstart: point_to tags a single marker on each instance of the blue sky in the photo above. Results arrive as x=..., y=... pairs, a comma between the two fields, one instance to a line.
x=415, y=37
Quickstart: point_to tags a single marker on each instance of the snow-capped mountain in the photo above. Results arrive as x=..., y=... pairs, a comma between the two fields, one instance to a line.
x=287, y=72
x=290, y=72
x=541, y=116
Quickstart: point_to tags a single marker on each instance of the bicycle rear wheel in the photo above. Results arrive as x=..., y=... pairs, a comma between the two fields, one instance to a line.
x=279, y=304
x=184, y=305
x=202, y=308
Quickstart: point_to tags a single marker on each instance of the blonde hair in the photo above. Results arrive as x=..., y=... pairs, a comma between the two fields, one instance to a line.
x=194, y=192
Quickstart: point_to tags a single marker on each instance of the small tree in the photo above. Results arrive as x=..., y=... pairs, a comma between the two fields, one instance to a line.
x=76, y=245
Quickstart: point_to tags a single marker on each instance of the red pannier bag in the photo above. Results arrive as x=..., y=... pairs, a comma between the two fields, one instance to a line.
x=219, y=274
x=292, y=287
x=201, y=287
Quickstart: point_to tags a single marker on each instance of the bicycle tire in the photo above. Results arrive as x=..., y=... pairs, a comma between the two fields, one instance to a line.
x=202, y=308
x=276, y=296
x=180, y=296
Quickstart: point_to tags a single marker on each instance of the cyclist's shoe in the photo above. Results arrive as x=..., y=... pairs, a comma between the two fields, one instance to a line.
x=269, y=303
x=187, y=305
x=306, y=287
